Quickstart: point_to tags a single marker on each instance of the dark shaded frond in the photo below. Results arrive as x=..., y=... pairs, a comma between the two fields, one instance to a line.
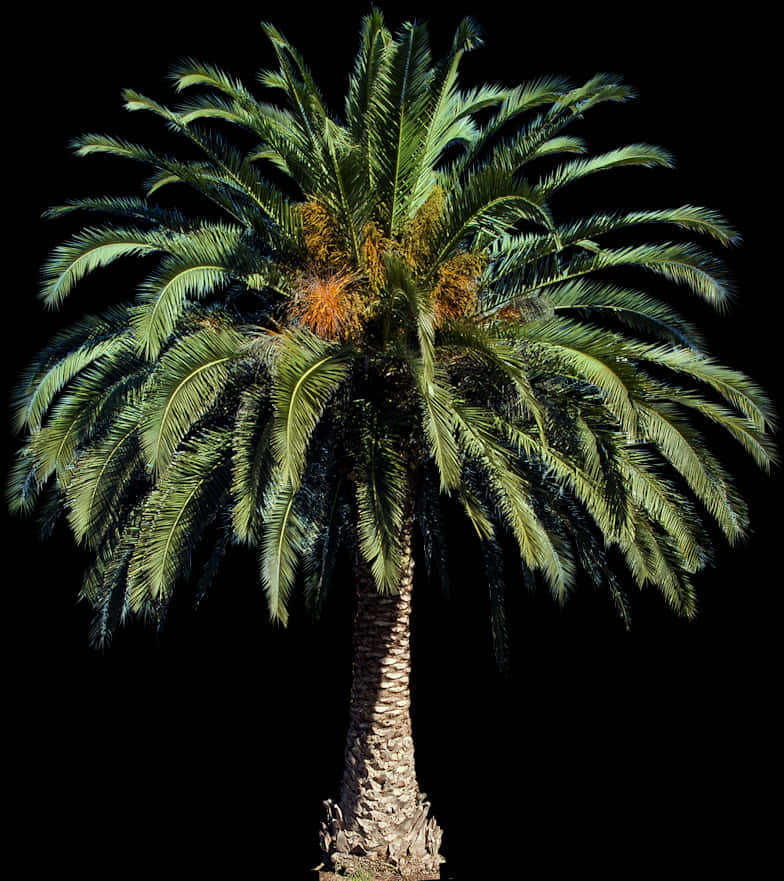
x=175, y=516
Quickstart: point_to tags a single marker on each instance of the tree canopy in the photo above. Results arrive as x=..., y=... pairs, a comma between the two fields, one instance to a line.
x=382, y=306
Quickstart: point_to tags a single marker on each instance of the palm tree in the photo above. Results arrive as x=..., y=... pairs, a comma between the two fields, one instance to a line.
x=374, y=321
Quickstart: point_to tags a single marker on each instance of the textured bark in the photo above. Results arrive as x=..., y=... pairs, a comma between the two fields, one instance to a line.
x=380, y=823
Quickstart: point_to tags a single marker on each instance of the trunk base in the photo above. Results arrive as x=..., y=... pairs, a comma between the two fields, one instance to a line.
x=405, y=851
x=374, y=874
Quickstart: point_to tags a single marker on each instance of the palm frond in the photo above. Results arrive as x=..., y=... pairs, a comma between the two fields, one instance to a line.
x=308, y=371
x=176, y=514
x=286, y=533
x=635, y=309
x=187, y=381
x=681, y=445
x=87, y=251
x=512, y=498
x=396, y=121
x=201, y=264
x=644, y=155
x=102, y=475
x=380, y=493
x=95, y=338
x=252, y=461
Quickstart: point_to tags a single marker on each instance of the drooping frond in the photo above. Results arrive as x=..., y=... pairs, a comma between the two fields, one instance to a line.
x=71, y=352
x=512, y=497
x=308, y=371
x=202, y=263
x=186, y=383
x=103, y=473
x=682, y=446
x=282, y=535
x=252, y=461
x=578, y=352
x=298, y=532
x=89, y=250
x=105, y=584
x=175, y=516
x=381, y=496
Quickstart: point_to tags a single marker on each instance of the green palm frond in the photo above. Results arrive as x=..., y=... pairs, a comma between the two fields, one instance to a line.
x=89, y=250
x=202, y=263
x=175, y=516
x=636, y=309
x=681, y=445
x=575, y=351
x=644, y=155
x=292, y=523
x=397, y=123
x=688, y=217
x=102, y=475
x=308, y=371
x=736, y=388
x=653, y=559
x=252, y=461
x=81, y=413
x=512, y=497
x=129, y=207
x=186, y=383
x=516, y=271
x=511, y=104
x=489, y=206
x=444, y=127
x=381, y=494
x=436, y=403
x=665, y=507
x=94, y=338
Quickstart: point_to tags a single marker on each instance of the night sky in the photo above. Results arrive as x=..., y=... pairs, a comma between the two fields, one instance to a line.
x=209, y=750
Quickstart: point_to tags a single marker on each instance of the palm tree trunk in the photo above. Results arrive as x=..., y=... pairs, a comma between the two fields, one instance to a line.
x=381, y=818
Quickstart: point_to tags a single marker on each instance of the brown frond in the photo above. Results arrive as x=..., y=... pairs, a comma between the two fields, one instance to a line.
x=327, y=303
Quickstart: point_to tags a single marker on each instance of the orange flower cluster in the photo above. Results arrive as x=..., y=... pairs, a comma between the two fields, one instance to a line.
x=327, y=304
x=323, y=242
x=331, y=295
x=454, y=293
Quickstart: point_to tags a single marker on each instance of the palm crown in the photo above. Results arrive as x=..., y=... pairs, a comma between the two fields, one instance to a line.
x=376, y=314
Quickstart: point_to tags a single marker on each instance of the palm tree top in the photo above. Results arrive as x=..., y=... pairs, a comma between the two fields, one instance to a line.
x=380, y=316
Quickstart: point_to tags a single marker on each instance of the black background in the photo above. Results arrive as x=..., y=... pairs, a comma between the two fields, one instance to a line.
x=209, y=752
